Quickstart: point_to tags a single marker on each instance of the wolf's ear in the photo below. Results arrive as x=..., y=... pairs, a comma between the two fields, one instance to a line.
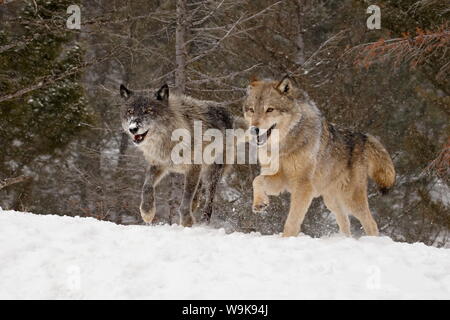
x=163, y=93
x=253, y=82
x=286, y=85
x=124, y=92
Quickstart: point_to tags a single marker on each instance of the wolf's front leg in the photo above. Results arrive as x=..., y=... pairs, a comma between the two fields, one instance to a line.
x=264, y=186
x=152, y=177
x=191, y=179
x=260, y=198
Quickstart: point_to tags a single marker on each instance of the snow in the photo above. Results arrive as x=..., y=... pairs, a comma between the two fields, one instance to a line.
x=53, y=257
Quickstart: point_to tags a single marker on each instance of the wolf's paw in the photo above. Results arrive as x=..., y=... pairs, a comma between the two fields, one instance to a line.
x=148, y=215
x=290, y=233
x=260, y=207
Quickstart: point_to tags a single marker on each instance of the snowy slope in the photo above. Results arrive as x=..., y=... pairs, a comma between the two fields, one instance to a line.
x=63, y=257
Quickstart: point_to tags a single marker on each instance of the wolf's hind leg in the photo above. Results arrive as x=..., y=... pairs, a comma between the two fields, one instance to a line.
x=212, y=179
x=191, y=180
x=153, y=175
x=359, y=208
x=367, y=221
x=341, y=217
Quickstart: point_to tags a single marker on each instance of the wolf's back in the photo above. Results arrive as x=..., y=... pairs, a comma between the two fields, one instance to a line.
x=381, y=168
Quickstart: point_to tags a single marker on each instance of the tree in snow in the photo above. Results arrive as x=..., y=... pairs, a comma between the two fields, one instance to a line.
x=41, y=99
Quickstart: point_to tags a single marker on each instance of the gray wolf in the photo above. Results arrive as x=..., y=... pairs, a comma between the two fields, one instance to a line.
x=316, y=158
x=150, y=119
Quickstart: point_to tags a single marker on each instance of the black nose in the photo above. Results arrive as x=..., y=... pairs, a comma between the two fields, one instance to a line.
x=134, y=130
x=254, y=131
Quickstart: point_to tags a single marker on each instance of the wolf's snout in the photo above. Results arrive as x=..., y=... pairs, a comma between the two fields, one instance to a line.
x=254, y=131
x=134, y=130
x=133, y=127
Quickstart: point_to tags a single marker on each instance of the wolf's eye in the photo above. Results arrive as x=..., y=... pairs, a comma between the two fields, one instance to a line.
x=130, y=112
x=269, y=110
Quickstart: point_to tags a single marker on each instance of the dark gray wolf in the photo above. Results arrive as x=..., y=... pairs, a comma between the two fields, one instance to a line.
x=150, y=120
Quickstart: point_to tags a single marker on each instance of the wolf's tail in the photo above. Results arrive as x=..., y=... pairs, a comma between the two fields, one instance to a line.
x=381, y=168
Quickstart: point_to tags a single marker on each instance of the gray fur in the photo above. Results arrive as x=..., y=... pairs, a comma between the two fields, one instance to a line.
x=153, y=118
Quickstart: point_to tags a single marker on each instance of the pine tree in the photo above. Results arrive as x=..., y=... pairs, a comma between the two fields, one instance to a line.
x=42, y=52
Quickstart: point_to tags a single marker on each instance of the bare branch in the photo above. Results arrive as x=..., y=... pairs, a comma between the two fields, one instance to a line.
x=10, y=181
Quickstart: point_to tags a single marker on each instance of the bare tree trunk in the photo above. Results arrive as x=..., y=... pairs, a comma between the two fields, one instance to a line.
x=180, y=46
x=123, y=147
x=129, y=75
x=180, y=86
x=300, y=57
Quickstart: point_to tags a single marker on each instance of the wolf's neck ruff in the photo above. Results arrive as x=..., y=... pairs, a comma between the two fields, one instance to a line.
x=307, y=118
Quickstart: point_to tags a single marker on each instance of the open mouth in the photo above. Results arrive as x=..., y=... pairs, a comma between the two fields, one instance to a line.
x=138, y=138
x=262, y=139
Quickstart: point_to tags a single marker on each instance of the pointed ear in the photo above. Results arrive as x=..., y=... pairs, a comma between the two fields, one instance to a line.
x=253, y=82
x=163, y=93
x=124, y=92
x=286, y=85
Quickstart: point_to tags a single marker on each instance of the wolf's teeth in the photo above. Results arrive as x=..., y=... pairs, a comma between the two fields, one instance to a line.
x=138, y=138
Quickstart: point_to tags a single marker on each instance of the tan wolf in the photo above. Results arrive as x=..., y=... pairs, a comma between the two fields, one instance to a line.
x=150, y=120
x=316, y=158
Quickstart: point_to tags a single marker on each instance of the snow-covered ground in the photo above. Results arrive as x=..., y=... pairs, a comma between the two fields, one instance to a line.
x=52, y=257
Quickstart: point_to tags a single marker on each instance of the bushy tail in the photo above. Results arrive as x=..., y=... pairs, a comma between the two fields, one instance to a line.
x=381, y=168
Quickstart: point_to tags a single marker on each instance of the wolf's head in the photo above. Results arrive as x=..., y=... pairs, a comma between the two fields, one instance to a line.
x=141, y=114
x=270, y=105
